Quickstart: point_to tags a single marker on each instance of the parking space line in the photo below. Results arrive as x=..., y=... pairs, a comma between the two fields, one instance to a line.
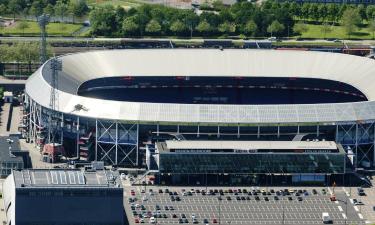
x=344, y=216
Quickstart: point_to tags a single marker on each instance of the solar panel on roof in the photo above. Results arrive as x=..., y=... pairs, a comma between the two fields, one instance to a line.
x=72, y=178
x=81, y=178
x=54, y=177
x=62, y=177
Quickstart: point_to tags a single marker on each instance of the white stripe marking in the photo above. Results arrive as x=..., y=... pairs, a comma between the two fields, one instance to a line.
x=343, y=215
x=356, y=208
x=340, y=208
x=360, y=216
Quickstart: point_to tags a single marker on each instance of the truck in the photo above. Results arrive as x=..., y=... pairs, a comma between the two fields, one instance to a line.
x=326, y=218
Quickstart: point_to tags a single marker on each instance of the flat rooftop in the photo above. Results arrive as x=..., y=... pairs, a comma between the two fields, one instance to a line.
x=70, y=178
x=8, y=144
x=329, y=146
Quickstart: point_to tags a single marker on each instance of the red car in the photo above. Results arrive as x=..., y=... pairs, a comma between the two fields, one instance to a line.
x=214, y=221
x=136, y=220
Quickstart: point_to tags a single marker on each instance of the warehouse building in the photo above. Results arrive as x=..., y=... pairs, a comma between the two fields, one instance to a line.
x=63, y=197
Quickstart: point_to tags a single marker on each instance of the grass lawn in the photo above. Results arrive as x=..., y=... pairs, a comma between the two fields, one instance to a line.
x=123, y=3
x=59, y=29
x=315, y=31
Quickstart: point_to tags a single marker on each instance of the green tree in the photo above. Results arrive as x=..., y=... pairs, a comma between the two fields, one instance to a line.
x=322, y=11
x=300, y=28
x=22, y=25
x=36, y=8
x=362, y=12
x=350, y=20
x=333, y=12
x=178, y=27
x=49, y=10
x=60, y=9
x=218, y=5
x=371, y=27
x=326, y=28
x=14, y=7
x=3, y=9
x=305, y=10
x=203, y=27
x=314, y=12
x=370, y=12
x=275, y=28
x=227, y=27
x=103, y=20
x=129, y=26
x=250, y=28
x=77, y=8
x=153, y=27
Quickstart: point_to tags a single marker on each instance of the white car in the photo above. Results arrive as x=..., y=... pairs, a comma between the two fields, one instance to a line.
x=152, y=220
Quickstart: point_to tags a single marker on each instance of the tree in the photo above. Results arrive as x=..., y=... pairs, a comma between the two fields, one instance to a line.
x=275, y=28
x=203, y=27
x=227, y=27
x=14, y=7
x=49, y=10
x=250, y=28
x=322, y=11
x=103, y=20
x=36, y=8
x=362, y=12
x=22, y=25
x=300, y=28
x=178, y=27
x=326, y=28
x=3, y=9
x=371, y=27
x=305, y=10
x=77, y=8
x=350, y=20
x=153, y=27
x=60, y=9
x=333, y=12
x=370, y=12
x=218, y=5
x=129, y=26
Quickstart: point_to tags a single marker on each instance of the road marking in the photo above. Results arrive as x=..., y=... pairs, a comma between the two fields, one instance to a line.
x=360, y=216
x=340, y=208
x=329, y=190
x=337, y=202
x=351, y=200
x=356, y=208
x=343, y=215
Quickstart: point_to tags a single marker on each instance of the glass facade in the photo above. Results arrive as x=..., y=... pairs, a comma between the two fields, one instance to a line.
x=251, y=163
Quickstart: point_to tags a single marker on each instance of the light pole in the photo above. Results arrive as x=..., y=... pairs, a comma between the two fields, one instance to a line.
x=219, y=210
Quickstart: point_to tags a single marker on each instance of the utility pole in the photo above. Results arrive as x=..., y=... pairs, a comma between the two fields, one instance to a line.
x=43, y=20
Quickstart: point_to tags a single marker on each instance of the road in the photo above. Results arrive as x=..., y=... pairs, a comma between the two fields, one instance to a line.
x=72, y=39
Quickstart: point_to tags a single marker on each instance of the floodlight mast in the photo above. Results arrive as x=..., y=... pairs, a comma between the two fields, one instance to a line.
x=43, y=20
x=53, y=124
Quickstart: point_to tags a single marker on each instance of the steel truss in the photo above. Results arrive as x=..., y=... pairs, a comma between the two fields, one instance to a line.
x=360, y=137
x=117, y=143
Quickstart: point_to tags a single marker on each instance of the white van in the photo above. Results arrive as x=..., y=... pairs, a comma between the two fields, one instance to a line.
x=326, y=218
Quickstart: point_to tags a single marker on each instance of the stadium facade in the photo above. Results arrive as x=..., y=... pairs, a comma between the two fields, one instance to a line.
x=111, y=104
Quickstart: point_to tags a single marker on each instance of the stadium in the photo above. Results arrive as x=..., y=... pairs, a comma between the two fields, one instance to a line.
x=114, y=105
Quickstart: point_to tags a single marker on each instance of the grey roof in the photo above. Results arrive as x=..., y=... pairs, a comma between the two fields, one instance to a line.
x=356, y=71
x=70, y=178
x=5, y=154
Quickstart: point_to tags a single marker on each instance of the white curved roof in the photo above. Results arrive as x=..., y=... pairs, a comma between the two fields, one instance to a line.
x=356, y=71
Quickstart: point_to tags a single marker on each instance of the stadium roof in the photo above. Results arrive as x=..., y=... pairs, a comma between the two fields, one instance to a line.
x=77, y=68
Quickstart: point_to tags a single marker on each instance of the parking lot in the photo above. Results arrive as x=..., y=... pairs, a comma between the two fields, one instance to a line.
x=237, y=205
